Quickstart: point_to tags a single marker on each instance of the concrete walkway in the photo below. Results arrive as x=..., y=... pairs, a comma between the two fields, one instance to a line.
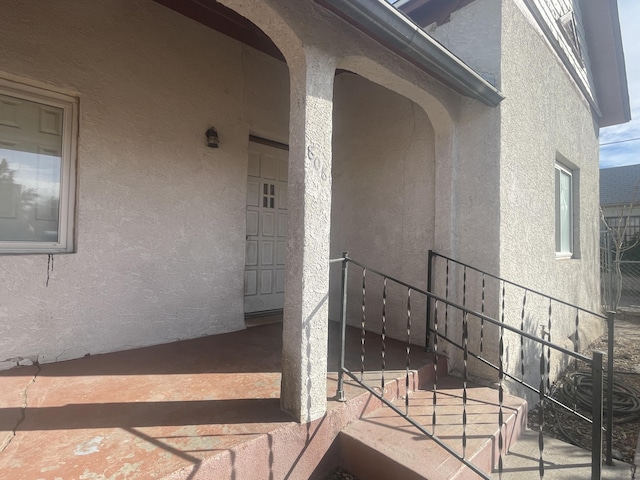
x=141, y=413
x=201, y=409
x=562, y=461
x=204, y=408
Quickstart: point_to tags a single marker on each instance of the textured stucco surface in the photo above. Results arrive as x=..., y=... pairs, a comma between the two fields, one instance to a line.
x=304, y=351
x=475, y=24
x=473, y=34
x=329, y=44
x=383, y=197
x=504, y=200
x=161, y=218
x=473, y=194
x=160, y=227
x=545, y=121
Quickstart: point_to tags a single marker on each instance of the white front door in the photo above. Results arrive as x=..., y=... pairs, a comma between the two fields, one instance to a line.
x=266, y=228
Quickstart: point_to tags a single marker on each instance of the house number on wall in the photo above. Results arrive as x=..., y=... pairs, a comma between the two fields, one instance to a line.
x=319, y=163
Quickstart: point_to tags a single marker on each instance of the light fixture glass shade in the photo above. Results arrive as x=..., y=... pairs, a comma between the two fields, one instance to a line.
x=212, y=138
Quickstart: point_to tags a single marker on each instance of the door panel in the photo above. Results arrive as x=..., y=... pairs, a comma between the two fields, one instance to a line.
x=266, y=228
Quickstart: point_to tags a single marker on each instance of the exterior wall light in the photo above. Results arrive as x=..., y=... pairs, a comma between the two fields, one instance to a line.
x=212, y=138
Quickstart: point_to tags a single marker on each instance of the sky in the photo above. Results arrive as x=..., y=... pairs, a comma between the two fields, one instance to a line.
x=626, y=153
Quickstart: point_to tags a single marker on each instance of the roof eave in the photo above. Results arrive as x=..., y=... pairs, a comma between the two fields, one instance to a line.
x=604, y=44
x=397, y=32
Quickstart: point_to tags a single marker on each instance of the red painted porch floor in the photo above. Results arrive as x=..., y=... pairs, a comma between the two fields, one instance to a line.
x=149, y=412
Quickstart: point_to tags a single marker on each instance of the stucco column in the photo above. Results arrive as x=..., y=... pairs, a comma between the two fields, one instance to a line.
x=304, y=350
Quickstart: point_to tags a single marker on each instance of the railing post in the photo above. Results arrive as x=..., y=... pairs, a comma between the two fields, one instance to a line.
x=596, y=438
x=343, y=327
x=609, y=435
x=427, y=339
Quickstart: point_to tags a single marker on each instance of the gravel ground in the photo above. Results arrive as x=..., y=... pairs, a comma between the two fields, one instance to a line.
x=626, y=428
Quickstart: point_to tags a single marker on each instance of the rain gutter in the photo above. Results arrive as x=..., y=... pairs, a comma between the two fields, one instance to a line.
x=394, y=30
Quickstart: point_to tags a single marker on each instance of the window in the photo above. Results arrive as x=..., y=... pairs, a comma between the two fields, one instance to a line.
x=38, y=131
x=564, y=212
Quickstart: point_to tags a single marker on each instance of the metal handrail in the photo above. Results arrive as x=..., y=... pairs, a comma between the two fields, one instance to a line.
x=515, y=379
x=609, y=318
x=596, y=362
x=474, y=313
x=514, y=284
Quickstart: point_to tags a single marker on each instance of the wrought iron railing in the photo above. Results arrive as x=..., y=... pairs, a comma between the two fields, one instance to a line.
x=521, y=298
x=440, y=309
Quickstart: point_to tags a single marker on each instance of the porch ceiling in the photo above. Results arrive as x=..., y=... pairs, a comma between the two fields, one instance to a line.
x=226, y=21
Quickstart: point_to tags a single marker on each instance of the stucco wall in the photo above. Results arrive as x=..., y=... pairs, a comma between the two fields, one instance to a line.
x=383, y=196
x=544, y=117
x=160, y=227
x=474, y=25
x=161, y=217
x=544, y=121
x=473, y=34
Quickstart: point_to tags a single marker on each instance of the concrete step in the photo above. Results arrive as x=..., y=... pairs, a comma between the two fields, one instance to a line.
x=383, y=445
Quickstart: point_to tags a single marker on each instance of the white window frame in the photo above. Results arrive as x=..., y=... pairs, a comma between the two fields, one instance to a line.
x=66, y=214
x=559, y=233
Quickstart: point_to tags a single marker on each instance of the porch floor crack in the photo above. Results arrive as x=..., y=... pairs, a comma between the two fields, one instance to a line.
x=23, y=413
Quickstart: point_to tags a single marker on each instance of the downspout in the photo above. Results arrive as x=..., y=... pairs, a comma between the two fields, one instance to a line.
x=394, y=30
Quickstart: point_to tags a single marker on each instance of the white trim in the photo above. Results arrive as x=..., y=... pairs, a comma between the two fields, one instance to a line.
x=563, y=170
x=66, y=219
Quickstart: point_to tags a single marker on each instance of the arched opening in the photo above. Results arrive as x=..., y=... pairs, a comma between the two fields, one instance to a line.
x=286, y=212
x=383, y=205
x=392, y=160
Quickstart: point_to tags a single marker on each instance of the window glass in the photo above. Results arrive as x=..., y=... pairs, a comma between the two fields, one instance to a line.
x=37, y=170
x=30, y=167
x=564, y=211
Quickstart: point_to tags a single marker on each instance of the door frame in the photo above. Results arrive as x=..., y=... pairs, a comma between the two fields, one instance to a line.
x=281, y=146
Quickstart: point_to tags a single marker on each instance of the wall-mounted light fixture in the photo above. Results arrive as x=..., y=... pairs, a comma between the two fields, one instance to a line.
x=212, y=138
